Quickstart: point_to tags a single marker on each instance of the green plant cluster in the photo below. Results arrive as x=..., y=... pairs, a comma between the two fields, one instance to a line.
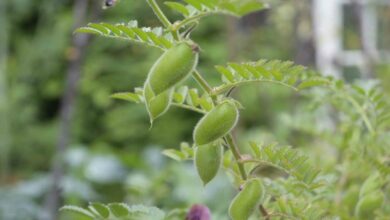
x=298, y=188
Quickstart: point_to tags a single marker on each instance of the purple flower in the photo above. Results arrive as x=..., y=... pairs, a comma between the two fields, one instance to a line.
x=199, y=212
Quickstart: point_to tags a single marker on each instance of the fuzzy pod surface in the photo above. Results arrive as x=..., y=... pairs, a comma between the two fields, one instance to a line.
x=216, y=123
x=208, y=160
x=247, y=200
x=156, y=105
x=172, y=67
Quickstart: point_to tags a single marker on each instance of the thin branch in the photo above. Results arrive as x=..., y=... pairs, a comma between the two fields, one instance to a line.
x=223, y=88
x=188, y=107
x=205, y=85
x=264, y=212
x=201, y=81
x=161, y=16
x=236, y=153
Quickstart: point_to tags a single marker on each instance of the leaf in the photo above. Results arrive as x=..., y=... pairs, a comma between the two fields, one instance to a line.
x=78, y=211
x=313, y=82
x=174, y=154
x=283, y=73
x=178, y=7
x=100, y=209
x=226, y=73
x=119, y=209
x=154, y=37
x=183, y=97
x=138, y=212
x=196, y=9
x=287, y=160
x=127, y=96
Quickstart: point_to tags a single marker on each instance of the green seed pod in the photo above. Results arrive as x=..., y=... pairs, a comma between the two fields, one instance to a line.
x=246, y=201
x=156, y=105
x=173, y=66
x=368, y=204
x=351, y=198
x=216, y=123
x=208, y=159
x=371, y=184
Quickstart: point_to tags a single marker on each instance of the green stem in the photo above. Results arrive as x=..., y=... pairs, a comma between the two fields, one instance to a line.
x=237, y=155
x=201, y=81
x=204, y=84
x=188, y=107
x=224, y=88
x=161, y=16
x=241, y=168
x=189, y=20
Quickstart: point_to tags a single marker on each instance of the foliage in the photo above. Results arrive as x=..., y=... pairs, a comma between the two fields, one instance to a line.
x=331, y=142
x=300, y=189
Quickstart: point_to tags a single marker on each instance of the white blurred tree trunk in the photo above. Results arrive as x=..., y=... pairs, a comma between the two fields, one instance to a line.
x=328, y=26
x=327, y=21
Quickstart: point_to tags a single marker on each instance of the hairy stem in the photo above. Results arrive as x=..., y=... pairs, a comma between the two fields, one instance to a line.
x=161, y=16
x=204, y=84
x=188, y=107
x=264, y=212
x=236, y=153
x=201, y=81
x=189, y=20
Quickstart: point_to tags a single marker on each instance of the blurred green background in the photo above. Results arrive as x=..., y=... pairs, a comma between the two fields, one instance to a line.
x=111, y=154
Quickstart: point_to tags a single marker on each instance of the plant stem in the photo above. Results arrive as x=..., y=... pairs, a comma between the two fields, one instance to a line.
x=264, y=212
x=224, y=88
x=188, y=107
x=201, y=81
x=161, y=16
x=188, y=20
x=236, y=154
x=204, y=84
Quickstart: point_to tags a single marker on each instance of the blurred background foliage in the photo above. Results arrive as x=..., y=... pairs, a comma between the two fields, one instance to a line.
x=113, y=156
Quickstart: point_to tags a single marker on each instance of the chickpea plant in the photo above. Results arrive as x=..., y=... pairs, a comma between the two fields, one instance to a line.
x=302, y=192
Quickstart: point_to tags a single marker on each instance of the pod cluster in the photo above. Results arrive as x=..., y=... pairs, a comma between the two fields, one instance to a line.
x=174, y=66
x=213, y=126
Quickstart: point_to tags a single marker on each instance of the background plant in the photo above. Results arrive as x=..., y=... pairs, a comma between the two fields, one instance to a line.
x=304, y=189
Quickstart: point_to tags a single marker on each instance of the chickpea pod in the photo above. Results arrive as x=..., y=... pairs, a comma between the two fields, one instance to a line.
x=247, y=200
x=216, y=123
x=208, y=159
x=175, y=65
x=156, y=105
